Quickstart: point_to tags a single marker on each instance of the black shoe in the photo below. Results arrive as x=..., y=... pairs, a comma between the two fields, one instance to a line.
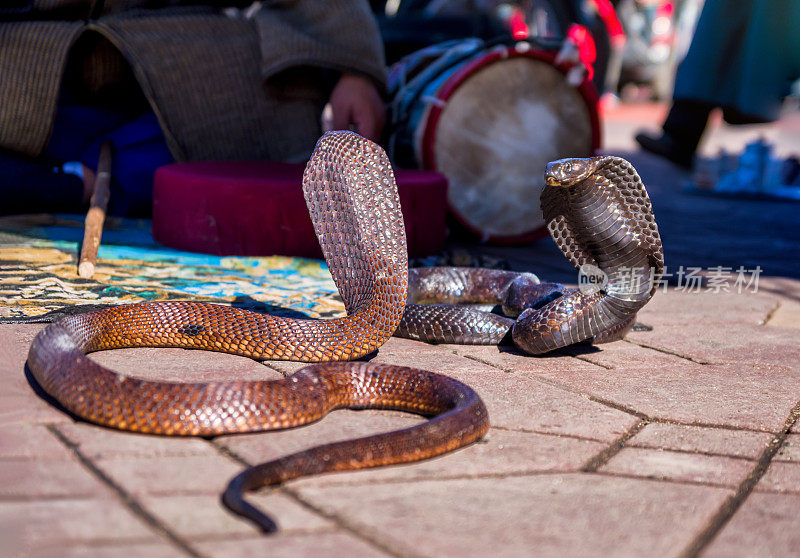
x=665, y=146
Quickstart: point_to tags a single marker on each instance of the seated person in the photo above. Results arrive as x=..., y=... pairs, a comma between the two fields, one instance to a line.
x=174, y=83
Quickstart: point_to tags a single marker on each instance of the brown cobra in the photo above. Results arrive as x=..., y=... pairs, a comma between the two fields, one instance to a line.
x=352, y=198
x=600, y=216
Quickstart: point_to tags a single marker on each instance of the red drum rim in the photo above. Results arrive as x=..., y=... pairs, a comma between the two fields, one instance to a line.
x=586, y=90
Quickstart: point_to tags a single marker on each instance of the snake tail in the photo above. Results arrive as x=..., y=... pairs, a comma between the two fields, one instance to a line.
x=458, y=418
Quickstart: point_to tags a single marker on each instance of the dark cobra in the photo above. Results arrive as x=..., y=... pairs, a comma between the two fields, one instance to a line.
x=352, y=198
x=600, y=216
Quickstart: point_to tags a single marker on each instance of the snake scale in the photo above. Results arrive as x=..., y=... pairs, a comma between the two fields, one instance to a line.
x=599, y=214
x=352, y=198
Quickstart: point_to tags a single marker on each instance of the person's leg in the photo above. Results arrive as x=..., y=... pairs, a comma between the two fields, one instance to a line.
x=681, y=132
x=686, y=122
x=698, y=81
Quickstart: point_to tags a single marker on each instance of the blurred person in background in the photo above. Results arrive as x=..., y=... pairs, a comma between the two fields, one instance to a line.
x=169, y=80
x=743, y=58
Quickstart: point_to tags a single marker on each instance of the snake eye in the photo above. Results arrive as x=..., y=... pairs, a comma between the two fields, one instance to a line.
x=568, y=167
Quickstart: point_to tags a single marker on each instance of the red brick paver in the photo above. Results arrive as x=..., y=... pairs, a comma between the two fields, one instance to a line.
x=790, y=451
x=545, y=515
x=322, y=545
x=781, y=477
x=203, y=517
x=39, y=525
x=679, y=466
x=697, y=439
x=766, y=525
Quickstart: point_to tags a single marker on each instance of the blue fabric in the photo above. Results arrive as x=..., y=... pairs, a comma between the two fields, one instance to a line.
x=139, y=149
x=77, y=127
x=40, y=185
x=745, y=54
x=29, y=186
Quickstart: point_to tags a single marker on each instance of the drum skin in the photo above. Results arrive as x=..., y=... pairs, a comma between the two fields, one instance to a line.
x=490, y=119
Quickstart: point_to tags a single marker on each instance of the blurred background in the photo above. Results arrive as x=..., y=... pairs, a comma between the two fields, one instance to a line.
x=478, y=96
x=636, y=44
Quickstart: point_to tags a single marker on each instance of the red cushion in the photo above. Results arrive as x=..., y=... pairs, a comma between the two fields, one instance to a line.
x=256, y=208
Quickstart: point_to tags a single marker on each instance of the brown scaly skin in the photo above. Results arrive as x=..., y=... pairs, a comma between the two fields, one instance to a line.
x=459, y=418
x=434, y=311
x=599, y=213
x=353, y=202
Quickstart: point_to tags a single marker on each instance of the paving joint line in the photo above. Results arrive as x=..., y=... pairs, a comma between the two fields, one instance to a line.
x=12, y=498
x=789, y=491
x=602, y=401
x=743, y=491
x=237, y=537
x=771, y=313
x=224, y=450
x=545, y=433
x=509, y=371
x=649, y=419
x=350, y=527
x=698, y=424
x=274, y=369
x=456, y=477
x=600, y=364
x=340, y=522
x=613, y=405
x=695, y=452
x=605, y=455
x=668, y=352
x=126, y=497
x=95, y=544
x=685, y=482
x=552, y=383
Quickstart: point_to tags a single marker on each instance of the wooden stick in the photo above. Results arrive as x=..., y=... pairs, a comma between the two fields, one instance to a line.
x=97, y=213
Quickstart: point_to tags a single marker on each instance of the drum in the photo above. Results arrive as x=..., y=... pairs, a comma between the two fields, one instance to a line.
x=490, y=118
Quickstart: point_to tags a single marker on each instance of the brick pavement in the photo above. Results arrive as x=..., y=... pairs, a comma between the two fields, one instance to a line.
x=676, y=442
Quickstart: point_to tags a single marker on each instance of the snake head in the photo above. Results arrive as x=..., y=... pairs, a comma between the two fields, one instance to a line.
x=567, y=172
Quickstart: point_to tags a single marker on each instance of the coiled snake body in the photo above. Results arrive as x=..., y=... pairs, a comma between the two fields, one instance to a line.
x=353, y=202
x=600, y=216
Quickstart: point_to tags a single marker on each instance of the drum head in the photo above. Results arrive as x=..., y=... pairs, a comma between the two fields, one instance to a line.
x=502, y=122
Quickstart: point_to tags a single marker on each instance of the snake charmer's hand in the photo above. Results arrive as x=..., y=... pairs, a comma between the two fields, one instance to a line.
x=355, y=102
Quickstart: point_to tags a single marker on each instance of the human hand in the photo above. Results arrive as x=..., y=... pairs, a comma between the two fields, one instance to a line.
x=356, y=104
